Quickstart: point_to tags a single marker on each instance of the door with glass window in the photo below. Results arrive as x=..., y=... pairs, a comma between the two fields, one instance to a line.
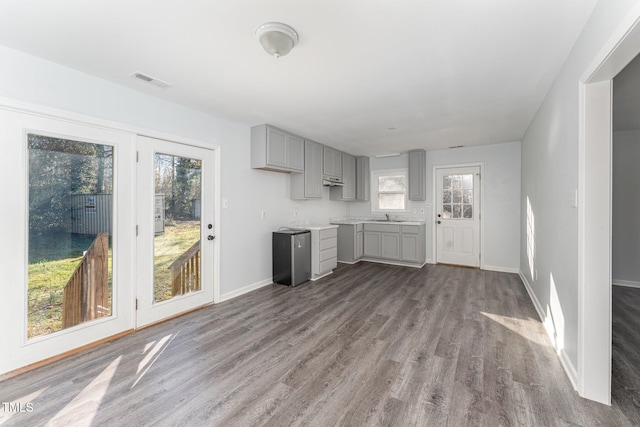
x=176, y=230
x=458, y=216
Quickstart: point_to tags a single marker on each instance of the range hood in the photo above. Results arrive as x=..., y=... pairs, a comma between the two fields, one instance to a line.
x=331, y=181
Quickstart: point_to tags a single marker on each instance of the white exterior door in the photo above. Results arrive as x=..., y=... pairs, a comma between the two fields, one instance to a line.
x=176, y=229
x=458, y=216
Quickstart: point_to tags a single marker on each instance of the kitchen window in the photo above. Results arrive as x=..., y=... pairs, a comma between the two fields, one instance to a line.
x=389, y=191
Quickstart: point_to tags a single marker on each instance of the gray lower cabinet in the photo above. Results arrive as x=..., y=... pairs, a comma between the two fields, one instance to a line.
x=308, y=185
x=276, y=150
x=324, y=251
x=350, y=242
x=395, y=242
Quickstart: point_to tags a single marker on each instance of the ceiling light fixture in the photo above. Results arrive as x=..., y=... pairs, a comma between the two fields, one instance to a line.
x=387, y=155
x=276, y=38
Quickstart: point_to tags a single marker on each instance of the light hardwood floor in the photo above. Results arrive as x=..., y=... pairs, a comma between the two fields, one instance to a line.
x=367, y=345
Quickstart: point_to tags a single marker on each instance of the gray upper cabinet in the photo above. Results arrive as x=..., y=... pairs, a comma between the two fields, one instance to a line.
x=363, y=179
x=309, y=184
x=332, y=162
x=276, y=150
x=417, y=175
x=348, y=191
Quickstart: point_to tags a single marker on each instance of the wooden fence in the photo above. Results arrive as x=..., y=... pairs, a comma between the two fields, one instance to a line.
x=86, y=294
x=185, y=271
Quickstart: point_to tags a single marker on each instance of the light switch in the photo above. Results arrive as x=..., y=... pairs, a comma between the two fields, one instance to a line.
x=225, y=203
x=574, y=199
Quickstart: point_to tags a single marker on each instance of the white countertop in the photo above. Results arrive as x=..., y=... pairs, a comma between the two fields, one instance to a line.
x=353, y=221
x=318, y=226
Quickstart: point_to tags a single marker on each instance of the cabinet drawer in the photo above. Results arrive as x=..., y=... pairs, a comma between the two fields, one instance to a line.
x=329, y=264
x=411, y=229
x=328, y=233
x=328, y=243
x=328, y=254
x=384, y=228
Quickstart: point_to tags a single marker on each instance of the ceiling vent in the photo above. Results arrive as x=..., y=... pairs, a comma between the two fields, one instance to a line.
x=151, y=80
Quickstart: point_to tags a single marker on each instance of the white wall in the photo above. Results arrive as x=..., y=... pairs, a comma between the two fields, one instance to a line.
x=245, y=239
x=626, y=206
x=501, y=198
x=550, y=179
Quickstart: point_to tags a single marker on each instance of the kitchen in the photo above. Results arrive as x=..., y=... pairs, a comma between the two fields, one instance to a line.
x=402, y=236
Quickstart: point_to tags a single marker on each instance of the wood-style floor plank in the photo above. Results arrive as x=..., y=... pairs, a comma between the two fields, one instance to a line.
x=368, y=345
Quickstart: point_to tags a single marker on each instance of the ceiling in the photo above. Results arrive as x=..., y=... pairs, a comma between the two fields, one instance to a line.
x=368, y=76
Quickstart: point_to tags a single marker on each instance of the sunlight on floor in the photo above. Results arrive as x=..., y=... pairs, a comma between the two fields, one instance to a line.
x=83, y=408
x=22, y=402
x=525, y=328
x=152, y=355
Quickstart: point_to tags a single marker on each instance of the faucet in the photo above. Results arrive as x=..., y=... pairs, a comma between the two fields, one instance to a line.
x=387, y=215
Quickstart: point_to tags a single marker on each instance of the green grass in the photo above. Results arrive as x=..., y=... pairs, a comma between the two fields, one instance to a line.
x=175, y=241
x=54, y=257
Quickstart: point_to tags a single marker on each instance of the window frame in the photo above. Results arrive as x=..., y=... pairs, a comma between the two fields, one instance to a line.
x=375, y=176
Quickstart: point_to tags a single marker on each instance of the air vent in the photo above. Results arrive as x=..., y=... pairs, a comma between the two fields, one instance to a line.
x=151, y=80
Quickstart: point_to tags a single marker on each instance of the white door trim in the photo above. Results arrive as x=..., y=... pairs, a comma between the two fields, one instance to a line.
x=594, y=210
x=434, y=201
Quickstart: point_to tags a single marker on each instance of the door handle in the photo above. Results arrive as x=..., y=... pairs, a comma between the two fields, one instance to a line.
x=210, y=237
x=438, y=222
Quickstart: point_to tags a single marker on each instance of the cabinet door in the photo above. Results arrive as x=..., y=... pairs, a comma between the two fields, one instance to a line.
x=410, y=247
x=348, y=177
x=363, y=178
x=390, y=245
x=313, y=170
x=332, y=162
x=372, y=244
x=417, y=175
x=276, y=148
x=295, y=152
x=359, y=252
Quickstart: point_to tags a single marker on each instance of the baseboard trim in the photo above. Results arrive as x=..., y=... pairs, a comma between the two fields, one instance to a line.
x=313, y=279
x=501, y=269
x=568, y=367
x=61, y=356
x=245, y=289
x=399, y=263
x=625, y=283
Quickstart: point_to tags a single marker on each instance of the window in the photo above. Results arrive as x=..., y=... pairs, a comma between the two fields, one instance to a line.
x=389, y=191
x=457, y=196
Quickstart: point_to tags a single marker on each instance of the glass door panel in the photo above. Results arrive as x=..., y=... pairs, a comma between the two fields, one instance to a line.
x=176, y=243
x=176, y=237
x=70, y=254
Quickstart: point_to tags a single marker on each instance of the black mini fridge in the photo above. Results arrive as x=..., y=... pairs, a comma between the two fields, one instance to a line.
x=291, y=256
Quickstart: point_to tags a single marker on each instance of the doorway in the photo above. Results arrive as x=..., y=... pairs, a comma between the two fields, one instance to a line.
x=594, y=211
x=176, y=229
x=458, y=215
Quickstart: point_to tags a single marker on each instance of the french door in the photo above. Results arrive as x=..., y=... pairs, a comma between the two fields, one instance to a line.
x=458, y=216
x=175, y=227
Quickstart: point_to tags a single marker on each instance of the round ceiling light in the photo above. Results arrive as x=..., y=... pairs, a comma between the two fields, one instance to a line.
x=276, y=38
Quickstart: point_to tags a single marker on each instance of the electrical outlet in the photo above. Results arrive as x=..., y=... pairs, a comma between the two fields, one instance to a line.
x=225, y=203
x=263, y=215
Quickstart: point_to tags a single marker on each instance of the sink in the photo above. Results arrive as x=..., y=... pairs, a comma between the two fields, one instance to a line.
x=388, y=220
